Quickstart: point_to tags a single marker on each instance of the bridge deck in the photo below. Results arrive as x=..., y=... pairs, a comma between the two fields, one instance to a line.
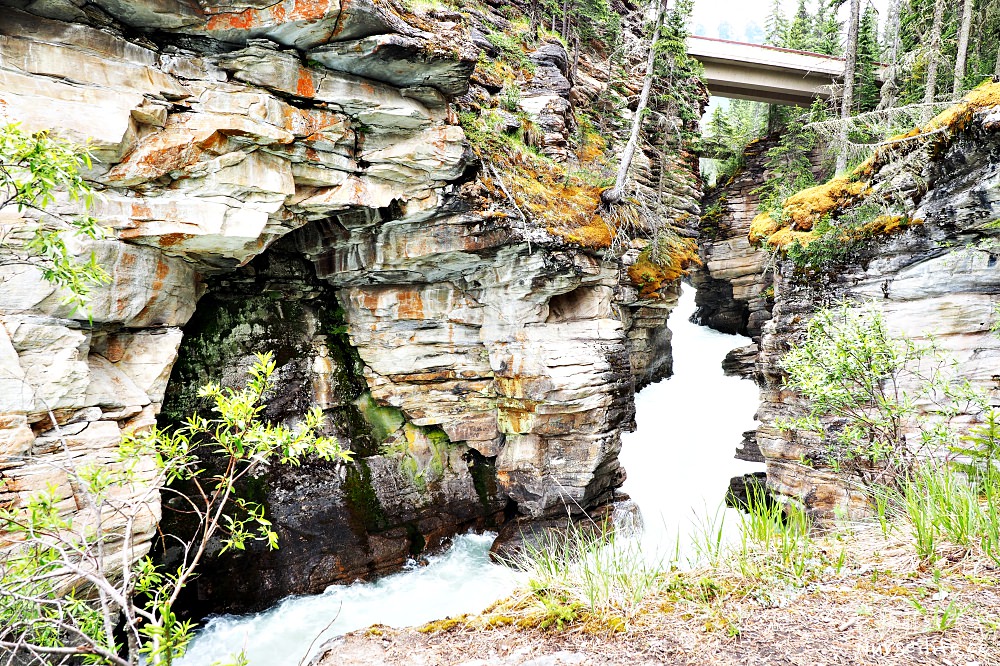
x=766, y=73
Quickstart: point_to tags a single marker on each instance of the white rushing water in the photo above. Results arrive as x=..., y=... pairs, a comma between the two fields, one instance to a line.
x=679, y=463
x=460, y=580
x=680, y=458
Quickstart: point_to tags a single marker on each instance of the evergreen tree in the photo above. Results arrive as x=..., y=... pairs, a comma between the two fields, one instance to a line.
x=866, y=91
x=826, y=31
x=985, y=42
x=776, y=27
x=800, y=31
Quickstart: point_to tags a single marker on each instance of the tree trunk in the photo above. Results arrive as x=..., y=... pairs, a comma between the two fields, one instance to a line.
x=535, y=19
x=847, y=99
x=565, y=25
x=934, y=55
x=615, y=194
x=890, y=87
x=575, y=69
x=996, y=70
x=963, y=46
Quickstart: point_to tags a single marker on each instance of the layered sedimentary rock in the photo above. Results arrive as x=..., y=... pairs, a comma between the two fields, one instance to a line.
x=735, y=293
x=489, y=362
x=732, y=282
x=936, y=276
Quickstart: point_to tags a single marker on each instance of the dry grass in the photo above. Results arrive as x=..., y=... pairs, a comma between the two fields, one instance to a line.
x=883, y=607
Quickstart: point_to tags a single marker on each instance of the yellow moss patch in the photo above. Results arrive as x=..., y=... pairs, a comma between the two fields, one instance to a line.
x=805, y=208
x=881, y=226
x=438, y=626
x=762, y=226
x=884, y=224
x=782, y=238
x=958, y=116
x=651, y=276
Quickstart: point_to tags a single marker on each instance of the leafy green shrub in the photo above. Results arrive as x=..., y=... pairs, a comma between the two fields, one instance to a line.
x=34, y=168
x=66, y=581
x=877, y=391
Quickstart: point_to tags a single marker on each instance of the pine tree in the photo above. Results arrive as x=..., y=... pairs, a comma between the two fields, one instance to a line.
x=826, y=31
x=776, y=27
x=799, y=35
x=850, y=62
x=866, y=89
x=984, y=41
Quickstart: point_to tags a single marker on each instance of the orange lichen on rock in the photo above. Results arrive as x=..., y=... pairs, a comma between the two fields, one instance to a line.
x=278, y=13
x=805, y=208
x=958, y=116
x=651, y=276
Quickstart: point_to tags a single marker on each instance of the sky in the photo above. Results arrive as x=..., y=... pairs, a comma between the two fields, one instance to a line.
x=744, y=20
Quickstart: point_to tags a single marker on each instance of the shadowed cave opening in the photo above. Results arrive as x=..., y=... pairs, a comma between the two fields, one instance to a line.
x=336, y=522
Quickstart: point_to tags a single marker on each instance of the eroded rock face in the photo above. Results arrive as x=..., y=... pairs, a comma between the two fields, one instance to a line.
x=938, y=278
x=505, y=356
x=735, y=293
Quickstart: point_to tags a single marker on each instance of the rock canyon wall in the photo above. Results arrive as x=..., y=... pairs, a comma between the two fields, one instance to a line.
x=918, y=239
x=293, y=176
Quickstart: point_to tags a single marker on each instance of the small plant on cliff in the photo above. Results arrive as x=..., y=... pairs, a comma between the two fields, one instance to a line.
x=34, y=167
x=75, y=587
x=877, y=401
x=789, y=165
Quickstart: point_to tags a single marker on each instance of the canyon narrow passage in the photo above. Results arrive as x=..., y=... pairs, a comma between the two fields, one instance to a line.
x=680, y=458
x=679, y=461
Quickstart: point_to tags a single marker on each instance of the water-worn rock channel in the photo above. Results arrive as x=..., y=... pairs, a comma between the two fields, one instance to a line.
x=679, y=461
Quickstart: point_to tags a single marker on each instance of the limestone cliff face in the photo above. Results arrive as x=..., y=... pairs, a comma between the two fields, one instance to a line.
x=299, y=167
x=939, y=277
x=734, y=283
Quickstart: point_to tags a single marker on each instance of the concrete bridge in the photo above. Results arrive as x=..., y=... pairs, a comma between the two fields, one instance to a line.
x=766, y=73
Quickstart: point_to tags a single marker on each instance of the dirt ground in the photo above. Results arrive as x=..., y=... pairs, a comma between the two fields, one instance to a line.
x=867, y=618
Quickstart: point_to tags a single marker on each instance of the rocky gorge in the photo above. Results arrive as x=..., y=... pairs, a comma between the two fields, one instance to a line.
x=302, y=177
x=916, y=239
x=402, y=201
